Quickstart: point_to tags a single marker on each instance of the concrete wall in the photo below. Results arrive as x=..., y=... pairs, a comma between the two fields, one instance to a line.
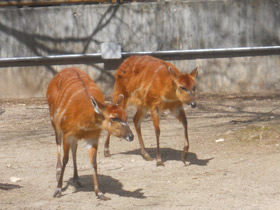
x=144, y=27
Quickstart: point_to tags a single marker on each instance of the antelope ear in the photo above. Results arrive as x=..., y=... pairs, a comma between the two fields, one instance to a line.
x=95, y=105
x=175, y=85
x=120, y=100
x=172, y=72
x=194, y=72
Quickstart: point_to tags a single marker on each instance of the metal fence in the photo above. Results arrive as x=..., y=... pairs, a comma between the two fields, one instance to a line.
x=111, y=62
x=5, y=3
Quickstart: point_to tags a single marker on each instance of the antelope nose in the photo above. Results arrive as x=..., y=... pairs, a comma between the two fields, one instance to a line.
x=130, y=137
x=193, y=104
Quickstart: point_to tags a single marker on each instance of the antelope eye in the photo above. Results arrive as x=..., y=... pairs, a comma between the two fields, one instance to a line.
x=116, y=119
x=183, y=88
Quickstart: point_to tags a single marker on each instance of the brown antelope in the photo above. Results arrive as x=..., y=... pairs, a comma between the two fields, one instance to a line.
x=78, y=111
x=153, y=84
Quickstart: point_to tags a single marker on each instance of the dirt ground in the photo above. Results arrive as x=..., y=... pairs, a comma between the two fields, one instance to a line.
x=233, y=161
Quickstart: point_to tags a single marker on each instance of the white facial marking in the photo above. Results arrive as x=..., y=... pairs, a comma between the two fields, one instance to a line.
x=111, y=116
x=124, y=123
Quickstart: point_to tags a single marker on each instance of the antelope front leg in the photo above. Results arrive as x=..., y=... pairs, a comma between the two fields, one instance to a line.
x=155, y=118
x=179, y=113
x=137, y=123
x=66, y=148
x=58, y=163
x=74, y=152
x=93, y=156
x=106, y=146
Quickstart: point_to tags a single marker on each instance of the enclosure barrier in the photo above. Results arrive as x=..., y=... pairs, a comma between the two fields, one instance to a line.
x=20, y=3
x=115, y=58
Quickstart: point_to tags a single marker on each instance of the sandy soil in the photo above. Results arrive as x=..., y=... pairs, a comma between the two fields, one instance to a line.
x=233, y=161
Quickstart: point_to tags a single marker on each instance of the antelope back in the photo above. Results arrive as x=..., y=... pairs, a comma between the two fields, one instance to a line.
x=77, y=106
x=69, y=98
x=147, y=80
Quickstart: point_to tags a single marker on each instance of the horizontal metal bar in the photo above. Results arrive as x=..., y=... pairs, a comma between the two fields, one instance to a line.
x=165, y=55
x=211, y=53
x=6, y=3
x=51, y=60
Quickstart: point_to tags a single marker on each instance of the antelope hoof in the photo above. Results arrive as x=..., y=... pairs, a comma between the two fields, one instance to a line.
x=147, y=157
x=57, y=193
x=102, y=197
x=160, y=163
x=107, y=153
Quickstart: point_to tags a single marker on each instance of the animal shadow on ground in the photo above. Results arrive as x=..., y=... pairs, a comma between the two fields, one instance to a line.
x=4, y=186
x=172, y=154
x=107, y=184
